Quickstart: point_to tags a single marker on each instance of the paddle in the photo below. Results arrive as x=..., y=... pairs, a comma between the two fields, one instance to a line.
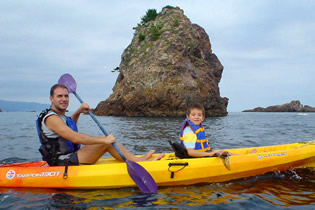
x=138, y=174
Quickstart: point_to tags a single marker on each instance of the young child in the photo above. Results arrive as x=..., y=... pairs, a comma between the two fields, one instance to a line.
x=192, y=134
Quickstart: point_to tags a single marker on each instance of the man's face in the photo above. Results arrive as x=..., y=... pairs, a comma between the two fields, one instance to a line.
x=196, y=116
x=60, y=99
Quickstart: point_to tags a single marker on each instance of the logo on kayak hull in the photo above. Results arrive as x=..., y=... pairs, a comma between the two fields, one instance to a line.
x=11, y=174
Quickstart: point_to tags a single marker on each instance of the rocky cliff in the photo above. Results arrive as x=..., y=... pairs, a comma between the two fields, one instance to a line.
x=293, y=106
x=168, y=64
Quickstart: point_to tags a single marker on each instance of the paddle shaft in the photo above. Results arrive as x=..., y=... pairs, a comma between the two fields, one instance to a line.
x=101, y=127
x=137, y=173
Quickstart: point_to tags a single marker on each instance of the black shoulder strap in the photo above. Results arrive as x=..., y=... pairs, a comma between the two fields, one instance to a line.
x=41, y=117
x=47, y=148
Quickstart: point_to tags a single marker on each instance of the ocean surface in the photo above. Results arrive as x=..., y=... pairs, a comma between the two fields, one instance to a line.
x=293, y=189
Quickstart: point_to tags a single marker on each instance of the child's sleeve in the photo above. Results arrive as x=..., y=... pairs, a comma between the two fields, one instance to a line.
x=189, y=137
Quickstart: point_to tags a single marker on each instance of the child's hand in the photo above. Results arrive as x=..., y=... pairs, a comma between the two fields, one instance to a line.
x=222, y=153
x=225, y=153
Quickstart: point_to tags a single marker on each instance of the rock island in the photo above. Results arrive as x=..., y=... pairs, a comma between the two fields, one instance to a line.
x=168, y=64
x=293, y=106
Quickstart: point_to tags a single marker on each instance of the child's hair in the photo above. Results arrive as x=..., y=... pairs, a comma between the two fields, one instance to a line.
x=195, y=106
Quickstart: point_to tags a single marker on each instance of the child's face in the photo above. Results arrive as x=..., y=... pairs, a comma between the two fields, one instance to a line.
x=196, y=116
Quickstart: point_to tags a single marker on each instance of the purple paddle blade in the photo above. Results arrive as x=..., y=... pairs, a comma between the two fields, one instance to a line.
x=68, y=81
x=141, y=177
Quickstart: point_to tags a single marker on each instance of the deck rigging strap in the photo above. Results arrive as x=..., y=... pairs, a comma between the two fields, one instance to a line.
x=176, y=164
x=22, y=165
x=65, y=174
x=306, y=143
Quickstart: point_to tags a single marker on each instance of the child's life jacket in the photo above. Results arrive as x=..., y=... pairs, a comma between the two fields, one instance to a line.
x=202, y=143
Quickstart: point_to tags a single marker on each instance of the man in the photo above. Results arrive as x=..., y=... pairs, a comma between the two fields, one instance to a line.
x=61, y=142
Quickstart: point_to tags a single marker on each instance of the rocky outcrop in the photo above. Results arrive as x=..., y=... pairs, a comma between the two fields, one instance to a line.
x=293, y=106
x=168, y=64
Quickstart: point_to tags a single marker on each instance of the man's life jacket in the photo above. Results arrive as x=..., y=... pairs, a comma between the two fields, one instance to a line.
x=202, y=143
x=52, y=148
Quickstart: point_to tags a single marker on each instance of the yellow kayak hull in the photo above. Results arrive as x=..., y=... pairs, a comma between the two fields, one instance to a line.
x=170, y=171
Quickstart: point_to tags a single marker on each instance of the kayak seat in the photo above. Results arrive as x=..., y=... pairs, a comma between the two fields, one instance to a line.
x=179, y=149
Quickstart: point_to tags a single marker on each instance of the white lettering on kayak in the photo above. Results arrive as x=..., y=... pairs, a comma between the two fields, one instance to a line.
x=272, y=155
x=11, y=174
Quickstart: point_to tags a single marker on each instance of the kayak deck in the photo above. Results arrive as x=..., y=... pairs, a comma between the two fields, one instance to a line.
x=169, y=171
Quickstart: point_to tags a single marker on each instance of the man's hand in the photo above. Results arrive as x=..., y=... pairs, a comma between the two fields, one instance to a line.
x=109, y=139
x=84, y=108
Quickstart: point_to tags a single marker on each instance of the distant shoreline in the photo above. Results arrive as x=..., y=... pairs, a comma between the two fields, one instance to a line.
x=293, y=106
x=19, y=106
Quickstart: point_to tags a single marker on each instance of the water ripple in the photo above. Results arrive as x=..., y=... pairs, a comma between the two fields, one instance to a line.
x=291, y=189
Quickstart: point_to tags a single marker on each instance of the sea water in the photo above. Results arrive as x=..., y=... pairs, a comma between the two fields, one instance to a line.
x=293, y=189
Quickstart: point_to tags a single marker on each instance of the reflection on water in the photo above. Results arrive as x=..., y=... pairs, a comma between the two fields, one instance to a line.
x=291, y=188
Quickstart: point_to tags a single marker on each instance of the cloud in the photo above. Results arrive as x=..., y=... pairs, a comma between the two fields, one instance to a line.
x=263, y=45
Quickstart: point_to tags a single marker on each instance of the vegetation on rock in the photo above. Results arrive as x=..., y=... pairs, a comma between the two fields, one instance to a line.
x=150, y=15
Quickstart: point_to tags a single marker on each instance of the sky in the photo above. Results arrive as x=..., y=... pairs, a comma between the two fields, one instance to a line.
x=266, y=47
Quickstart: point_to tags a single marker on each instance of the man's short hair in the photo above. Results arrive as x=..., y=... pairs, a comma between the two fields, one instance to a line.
x=195, y=106
x=53, y=88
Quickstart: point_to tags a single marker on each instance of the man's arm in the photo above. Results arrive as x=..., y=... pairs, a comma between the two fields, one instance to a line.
x=56, y=124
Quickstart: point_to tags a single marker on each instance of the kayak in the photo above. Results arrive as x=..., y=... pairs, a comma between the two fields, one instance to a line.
x=169, y=171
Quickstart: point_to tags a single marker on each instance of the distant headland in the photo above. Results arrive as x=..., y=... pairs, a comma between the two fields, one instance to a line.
x=18, y=106
x=293, y=106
